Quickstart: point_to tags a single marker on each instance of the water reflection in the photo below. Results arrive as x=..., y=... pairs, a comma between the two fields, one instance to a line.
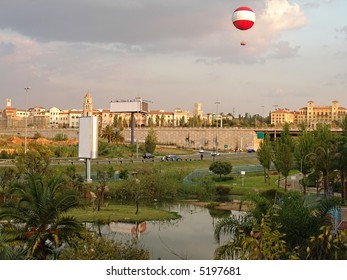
x=190, y=237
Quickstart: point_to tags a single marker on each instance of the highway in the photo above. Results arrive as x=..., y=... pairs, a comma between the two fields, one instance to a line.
x=189, y=157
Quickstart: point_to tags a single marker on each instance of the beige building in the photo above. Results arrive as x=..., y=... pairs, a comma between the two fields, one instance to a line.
x=54, y=117
x=310, y=115
x=282, y=116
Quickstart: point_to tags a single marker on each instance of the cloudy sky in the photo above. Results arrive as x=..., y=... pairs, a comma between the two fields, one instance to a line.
x=173, y=53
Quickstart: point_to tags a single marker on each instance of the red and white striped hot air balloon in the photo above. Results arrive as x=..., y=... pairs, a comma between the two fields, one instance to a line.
x=243, y=18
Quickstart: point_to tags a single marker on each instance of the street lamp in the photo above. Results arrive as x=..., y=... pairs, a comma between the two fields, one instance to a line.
x=274, y=121
x=26, y=118
x=217, y=103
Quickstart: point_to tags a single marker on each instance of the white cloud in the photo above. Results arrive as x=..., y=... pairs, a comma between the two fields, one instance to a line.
x=284, y=50
x=280, y=15
x=18, y=48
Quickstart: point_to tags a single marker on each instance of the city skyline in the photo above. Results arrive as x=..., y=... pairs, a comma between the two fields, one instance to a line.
x=174, y=54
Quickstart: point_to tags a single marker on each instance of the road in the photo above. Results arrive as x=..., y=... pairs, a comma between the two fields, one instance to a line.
x=189, y=157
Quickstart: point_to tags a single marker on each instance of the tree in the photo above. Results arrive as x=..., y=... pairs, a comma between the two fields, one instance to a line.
x=151, y=141
x=325, y=155
x=281, y=229
x=327, y=246
x=118, y=122
x=8, y=251
x=264, y=155
x=303, y=147
x=342, y=159
x=41, y=209
x=7, y=177
x=284, y=153
x=35, y=161
x=74, y=180
x=103, y=176
x=93, y=247
x=112, y=134
x=220, y=168
x=265, y=242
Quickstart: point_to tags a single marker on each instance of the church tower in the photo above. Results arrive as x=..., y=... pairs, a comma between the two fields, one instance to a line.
x=88, y=105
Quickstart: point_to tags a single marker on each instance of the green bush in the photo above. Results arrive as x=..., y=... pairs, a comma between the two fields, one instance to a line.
x=37, y=135
x=60, y=137
x=222, y=190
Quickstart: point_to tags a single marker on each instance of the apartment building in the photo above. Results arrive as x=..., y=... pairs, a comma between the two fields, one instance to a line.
x=311, y=115
x=282, y=116
x=54, y=117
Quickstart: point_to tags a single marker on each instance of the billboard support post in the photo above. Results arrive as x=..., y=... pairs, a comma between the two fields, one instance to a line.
x=130, y=106
x=132, y=127
x=88, y=173
x=88, y=142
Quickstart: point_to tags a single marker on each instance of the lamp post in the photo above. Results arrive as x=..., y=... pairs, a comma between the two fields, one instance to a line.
x=217, y=103
x=26, y=118
x=275, y=122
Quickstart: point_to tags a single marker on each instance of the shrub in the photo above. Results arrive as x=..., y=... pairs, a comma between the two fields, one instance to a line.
x=60, y=137
x=222, y=190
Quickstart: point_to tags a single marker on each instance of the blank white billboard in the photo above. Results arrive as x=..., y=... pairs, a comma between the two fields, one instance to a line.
x=128, y=106
x=88, y=137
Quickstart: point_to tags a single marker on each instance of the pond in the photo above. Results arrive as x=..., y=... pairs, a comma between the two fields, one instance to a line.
x=190, y=237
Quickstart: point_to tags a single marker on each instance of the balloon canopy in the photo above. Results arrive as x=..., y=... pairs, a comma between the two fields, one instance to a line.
x=243, y=18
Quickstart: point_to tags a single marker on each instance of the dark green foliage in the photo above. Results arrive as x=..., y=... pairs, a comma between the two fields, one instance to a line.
x=222, y=190
x=264, y=155
x=73, y=179
x=111, y=150
x=7, y=179
x=151, y=141
x=35, y=162
x=65, y=151
x=41, y=208
x=289, y=219
x=112, y=134
x=284, y=153
x=205, y=190
x=221, y=168
x=92, y=247
x=60, y=137
x=6, y=155
x=37, y=135
x=123, y=174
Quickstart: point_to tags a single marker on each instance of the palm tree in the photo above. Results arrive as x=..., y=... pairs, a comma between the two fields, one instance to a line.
x=107, y=133
x=112, y=134
x=117, y=136
x=40, y=211
x=235, y=227
x=290, y=216
x=325, y=155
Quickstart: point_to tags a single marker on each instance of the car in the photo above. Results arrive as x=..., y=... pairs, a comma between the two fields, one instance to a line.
x=173, y=158
x=215, y=153
x=147, y=155
x=201, y=151
x=250, y=151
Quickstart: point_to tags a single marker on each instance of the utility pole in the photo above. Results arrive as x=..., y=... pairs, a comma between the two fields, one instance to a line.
x=26, y=118
x=275, y=106
x=217, y=103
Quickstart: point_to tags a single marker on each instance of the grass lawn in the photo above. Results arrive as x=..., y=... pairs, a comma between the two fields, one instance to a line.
x=121, y=213
x=251, y=184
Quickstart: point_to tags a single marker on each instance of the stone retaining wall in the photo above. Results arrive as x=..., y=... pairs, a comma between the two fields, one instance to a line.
x=196, y=138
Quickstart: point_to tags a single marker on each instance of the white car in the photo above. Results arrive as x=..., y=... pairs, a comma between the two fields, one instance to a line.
x=214, y=153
